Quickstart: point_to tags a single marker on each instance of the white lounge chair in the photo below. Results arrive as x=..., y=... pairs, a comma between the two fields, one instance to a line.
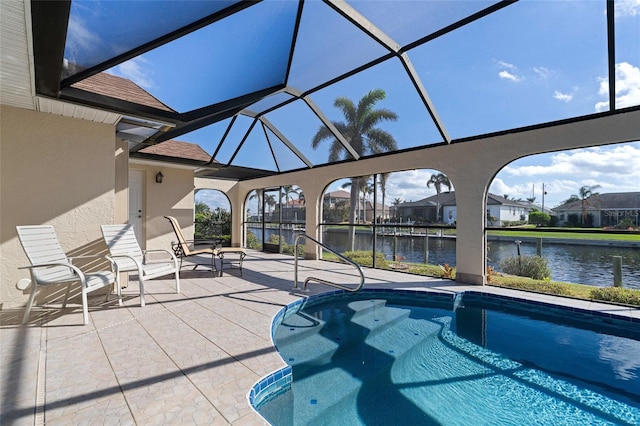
x=183, y=249
x=51, y=266
x=125, y=251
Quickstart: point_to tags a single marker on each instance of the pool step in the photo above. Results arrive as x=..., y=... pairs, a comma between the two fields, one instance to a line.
x=298, y=325
x=335, y=383
x=308, y=340
x=354, y=375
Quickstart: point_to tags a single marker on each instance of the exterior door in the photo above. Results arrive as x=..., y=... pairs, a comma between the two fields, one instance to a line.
x=136, y=203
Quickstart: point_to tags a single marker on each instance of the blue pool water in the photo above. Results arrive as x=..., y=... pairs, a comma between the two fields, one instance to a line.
x=383, y=358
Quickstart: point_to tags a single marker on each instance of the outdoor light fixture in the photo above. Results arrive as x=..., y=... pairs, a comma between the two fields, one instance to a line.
x=159, y=177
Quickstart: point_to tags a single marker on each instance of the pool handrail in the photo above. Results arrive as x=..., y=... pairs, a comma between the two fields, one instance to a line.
x=320, y=280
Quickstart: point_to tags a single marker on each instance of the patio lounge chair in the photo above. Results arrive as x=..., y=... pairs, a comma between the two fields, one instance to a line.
x=51, y=266
x=183, y=248
x=125, y=251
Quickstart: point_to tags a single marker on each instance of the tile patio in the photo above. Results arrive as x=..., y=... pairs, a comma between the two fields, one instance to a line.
x=188, y=358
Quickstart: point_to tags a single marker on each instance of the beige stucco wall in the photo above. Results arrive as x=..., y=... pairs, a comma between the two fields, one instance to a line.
x=53, y=170
x=173, y=197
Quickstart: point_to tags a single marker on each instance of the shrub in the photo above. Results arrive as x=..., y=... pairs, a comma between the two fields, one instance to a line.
x=539, y=218
x=540, y=286
x=365, y=258
x=628, y=223
x=252, y=241
x=526, y=266
x=573, y=220
x=428, y=270
x=626, y=296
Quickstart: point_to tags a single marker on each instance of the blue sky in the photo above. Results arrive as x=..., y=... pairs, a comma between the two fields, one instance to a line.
x=532, y=62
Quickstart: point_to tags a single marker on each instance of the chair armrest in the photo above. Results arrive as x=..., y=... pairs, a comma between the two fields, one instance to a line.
x=49, y=265
x=215, y=242
x=173, y=256
x=114, y=261
x=114, y=265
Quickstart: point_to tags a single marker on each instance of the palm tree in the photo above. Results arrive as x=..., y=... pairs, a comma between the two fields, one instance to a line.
x=270, y=201
x=438, y=180
x=383, y=189
x=571, y=199
x=258, y=193
x=586, y=197
x=361, y=187
x=367, y=190
x=360, y=131
x=287, y=190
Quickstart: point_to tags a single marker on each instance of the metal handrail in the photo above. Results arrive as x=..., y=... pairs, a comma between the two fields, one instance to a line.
x=320, y=280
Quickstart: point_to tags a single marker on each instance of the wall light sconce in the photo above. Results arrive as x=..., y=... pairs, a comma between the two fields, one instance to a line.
x=159, y=177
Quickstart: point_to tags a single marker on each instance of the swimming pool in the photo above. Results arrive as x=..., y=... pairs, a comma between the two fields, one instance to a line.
x=406, y=357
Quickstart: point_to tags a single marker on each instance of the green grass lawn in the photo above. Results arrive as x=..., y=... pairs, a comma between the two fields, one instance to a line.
x=565, y=233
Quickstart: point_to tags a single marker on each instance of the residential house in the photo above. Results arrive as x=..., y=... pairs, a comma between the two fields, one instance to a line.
x=500, y=210
x=603, y=210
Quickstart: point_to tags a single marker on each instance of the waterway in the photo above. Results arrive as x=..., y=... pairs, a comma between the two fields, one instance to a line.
x=583, y=264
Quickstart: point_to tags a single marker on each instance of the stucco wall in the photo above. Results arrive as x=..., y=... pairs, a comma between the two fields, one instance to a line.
x=173, y=197
x=62, y=171
x=53, y=170
x=470, y=165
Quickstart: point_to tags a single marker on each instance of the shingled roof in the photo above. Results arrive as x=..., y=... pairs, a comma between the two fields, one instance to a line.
x=618, y=200
x=178, y=149
x=120, y=88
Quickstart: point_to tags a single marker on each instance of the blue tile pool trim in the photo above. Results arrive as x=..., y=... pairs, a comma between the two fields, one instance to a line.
x=551, y=307
x=279, y=382
x=270, y=387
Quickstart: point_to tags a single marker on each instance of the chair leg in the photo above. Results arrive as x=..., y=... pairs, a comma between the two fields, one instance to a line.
x=214, y=267
x=32, y=297
x=241, y=259
x=85, y=306
x=178, y=281
x=119, y=289
x=141, y=281
x=66, y=296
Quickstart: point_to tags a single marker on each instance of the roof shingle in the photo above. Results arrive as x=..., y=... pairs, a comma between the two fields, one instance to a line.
x=120, y=88
x=178, y=149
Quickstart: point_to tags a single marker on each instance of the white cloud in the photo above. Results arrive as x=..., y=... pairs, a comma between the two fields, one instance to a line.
x=499, y=187
x=410, y=185
x=506, y=65
x=79, y=35
x=213, y=198
x=136, y=70
x=627, y=8
x=564, y=97
x=508, y=76
x=589, y=162
x=614, y=168
x=509, y=72
x=627, y=87
x=543, y=73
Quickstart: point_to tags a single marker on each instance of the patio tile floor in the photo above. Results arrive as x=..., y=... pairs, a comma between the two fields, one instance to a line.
x=188, y=358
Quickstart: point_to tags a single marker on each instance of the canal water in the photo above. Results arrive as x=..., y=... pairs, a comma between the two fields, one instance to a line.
x=581, y=264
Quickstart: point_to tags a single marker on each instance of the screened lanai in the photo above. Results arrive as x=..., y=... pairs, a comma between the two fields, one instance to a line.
x=267, y=90
x=89, y=87
x=252, y=82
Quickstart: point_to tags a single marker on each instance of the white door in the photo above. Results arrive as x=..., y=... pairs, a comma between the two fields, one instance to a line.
x=136, y=203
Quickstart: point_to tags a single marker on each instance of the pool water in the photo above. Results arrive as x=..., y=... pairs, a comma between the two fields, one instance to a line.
x=384, y=359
